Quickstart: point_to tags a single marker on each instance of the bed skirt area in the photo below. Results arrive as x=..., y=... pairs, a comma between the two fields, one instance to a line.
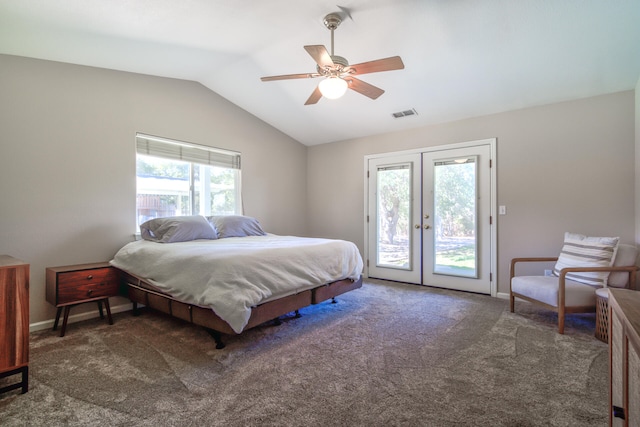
x=140, y=292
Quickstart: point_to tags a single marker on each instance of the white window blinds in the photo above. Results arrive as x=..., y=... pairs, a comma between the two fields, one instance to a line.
x=178, y=150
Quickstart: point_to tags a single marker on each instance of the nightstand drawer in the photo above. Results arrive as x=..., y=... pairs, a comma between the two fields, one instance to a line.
x=78, y=290
x=82, y=277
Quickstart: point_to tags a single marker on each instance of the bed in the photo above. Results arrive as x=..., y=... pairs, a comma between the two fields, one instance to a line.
x=226, y=274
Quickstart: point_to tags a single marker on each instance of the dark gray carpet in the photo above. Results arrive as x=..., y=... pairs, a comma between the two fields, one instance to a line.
x=387, y=354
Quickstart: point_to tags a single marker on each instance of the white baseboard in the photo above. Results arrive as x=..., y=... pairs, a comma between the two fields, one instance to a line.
x=503, y=295
x=73, y=318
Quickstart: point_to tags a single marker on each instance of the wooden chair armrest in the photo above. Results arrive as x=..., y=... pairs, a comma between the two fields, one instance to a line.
x=631, y=269
x=514, y=261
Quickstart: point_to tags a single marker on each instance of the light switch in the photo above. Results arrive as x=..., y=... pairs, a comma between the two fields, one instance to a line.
x=502, y=210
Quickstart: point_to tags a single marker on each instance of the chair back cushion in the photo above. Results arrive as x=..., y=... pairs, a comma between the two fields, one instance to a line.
x=584, y=251
x=625, y=257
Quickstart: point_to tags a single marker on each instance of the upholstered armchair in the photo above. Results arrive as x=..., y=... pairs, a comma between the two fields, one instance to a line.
x=584, y=265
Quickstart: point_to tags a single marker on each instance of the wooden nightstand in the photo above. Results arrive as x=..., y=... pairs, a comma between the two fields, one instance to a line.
x=77, y=284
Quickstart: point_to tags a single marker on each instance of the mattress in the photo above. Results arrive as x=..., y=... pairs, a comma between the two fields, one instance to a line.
x=232, y=275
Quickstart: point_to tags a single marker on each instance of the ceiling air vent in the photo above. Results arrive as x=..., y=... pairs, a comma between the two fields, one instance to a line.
x=405, y=113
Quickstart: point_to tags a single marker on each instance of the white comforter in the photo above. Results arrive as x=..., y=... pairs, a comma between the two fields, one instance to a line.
x=234, y=274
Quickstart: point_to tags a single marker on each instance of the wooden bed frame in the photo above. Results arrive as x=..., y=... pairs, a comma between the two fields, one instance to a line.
x=140, y=292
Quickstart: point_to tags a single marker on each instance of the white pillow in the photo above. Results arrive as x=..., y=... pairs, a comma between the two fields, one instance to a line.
x=583, y=251
x=177, y=229
x=236, y=226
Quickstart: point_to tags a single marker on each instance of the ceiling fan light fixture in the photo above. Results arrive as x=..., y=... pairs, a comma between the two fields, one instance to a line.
x=338, y=74
x=333, y=87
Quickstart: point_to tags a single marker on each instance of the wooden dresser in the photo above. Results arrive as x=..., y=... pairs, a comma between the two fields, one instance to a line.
x=14, y=321
x=624, y=357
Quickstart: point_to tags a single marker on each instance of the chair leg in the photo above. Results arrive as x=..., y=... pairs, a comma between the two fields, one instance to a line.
x=561, y=320
x=512, y=301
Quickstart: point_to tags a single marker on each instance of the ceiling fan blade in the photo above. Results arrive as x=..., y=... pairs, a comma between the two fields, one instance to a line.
x=320, y=54
x=386, y=64
x=290, y=76
x=315, y=97
x=365, y=89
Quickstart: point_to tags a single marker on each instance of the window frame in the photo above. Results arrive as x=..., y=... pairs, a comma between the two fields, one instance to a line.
x=196, y=156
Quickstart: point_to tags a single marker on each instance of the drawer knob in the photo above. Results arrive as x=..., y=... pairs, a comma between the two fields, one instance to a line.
x=89, y=292
x=89, y=277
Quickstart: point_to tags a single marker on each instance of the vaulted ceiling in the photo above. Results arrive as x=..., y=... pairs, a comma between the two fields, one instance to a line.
x=463, y=58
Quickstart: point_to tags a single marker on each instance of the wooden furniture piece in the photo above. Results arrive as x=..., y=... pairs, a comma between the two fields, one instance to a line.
x=140, y=292
x=624, y=357
x=14, y=321
x=563, y=295
x=71, y=285
x=602, y=315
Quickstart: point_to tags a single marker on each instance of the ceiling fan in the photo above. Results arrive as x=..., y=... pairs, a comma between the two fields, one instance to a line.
x=339, y=75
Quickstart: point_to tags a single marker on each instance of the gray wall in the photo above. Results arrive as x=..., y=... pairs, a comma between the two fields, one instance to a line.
x=561, y=167
x=67, y=160
x=67, y=166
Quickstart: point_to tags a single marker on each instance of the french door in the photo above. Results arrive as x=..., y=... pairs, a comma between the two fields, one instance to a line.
x=430, y=216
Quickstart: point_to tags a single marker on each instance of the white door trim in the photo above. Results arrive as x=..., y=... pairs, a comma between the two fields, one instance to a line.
x=492, y=142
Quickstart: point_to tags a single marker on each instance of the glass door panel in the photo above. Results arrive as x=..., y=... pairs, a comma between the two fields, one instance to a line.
x=455, y=217
x=393, y=216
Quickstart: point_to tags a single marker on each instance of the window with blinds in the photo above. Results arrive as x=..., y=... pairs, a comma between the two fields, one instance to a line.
x=179, y=178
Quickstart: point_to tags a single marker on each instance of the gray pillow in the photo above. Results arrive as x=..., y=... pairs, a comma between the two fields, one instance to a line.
x=177, y=229
x=236, y=226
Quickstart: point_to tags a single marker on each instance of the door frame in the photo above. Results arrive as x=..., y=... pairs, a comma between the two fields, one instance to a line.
x=492, y=142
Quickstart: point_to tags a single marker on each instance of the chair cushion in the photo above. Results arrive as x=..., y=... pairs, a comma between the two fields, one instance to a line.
x=583, y=251
x=626, y=256
x=545, y=289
